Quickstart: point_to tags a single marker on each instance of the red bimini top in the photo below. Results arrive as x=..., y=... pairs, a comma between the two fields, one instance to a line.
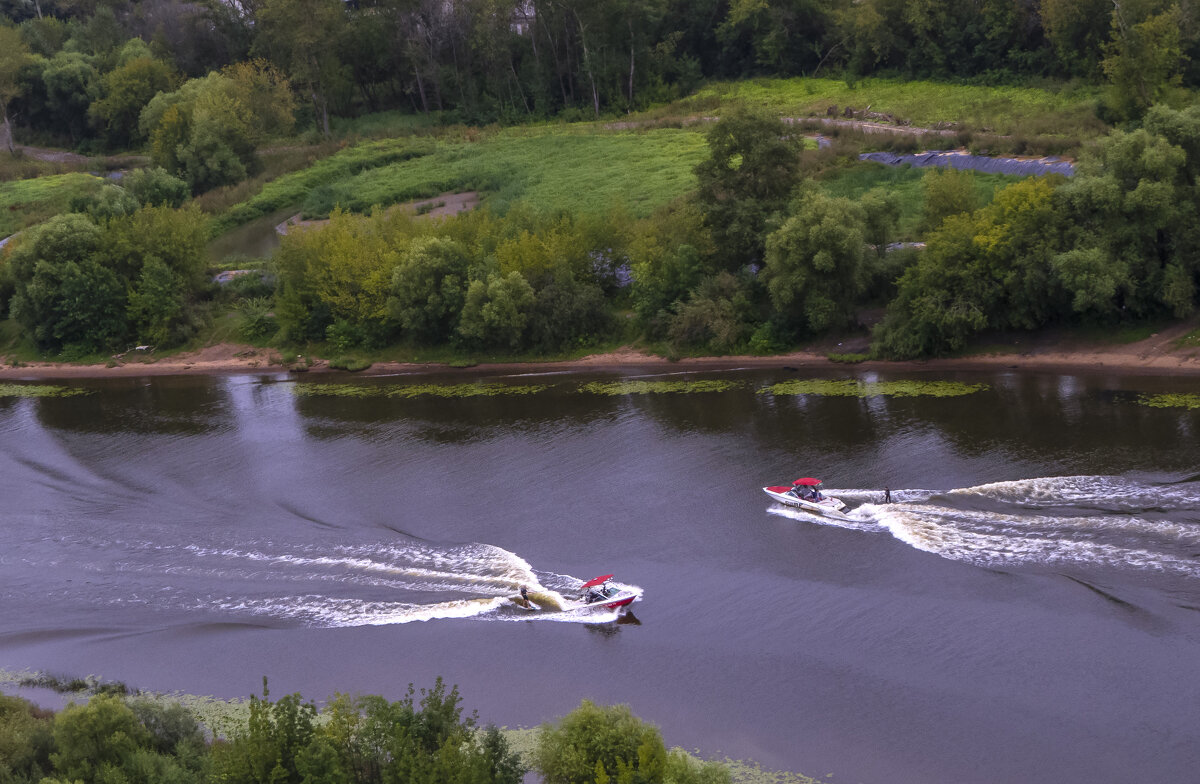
x=596, y=581
x=807, y=481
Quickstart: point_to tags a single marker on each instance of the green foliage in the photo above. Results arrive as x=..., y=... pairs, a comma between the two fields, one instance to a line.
x=1177, y=400
x=64, y=297
x=26, y=741
x=994, y=268
x=1132, y=209
x=848, y=359
x=340, y=272
x=418, y=390
x=1006, y=109
x=429, y=288
x=207, y=131
x=156, y=303
x=568, y=313
x=257, y=319
x=947, y=192
x=111, y=201
x=351, y=364
x=72, y=83
x=595, y=743
x=126, y=90
x=816, y=266
x=291, y=189
x=24, y=203
x=1144, y=59
x=39, y=390
x=496, y=311
x=720, y=315
x=853, y=388
x=906, y=186
x=667, y=260
x=104, y=741
x=85, y=288
x=14, y=56
x=623, y=388
x=275, y=747
x=753, y=165
x=155, y=187
x=540, y=166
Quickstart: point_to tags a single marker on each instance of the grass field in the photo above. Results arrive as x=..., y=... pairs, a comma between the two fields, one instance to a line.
x=290, y=190
x=577, y=168
x=26, y=202
x=549, y=168
x=1009, y=110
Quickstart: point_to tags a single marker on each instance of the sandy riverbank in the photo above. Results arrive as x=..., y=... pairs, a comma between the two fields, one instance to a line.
x=1157, y=355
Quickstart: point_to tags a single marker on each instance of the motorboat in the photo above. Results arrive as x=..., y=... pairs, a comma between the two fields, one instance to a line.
x=805, y=493
x=597, y=593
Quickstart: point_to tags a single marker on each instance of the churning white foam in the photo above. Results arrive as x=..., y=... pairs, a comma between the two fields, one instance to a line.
x=1089, y=520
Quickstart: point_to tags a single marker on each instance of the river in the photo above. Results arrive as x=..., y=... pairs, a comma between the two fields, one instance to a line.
x=1028, y=608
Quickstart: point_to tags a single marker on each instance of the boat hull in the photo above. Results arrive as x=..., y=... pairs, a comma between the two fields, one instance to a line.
x=619, y=599
x=830, y=507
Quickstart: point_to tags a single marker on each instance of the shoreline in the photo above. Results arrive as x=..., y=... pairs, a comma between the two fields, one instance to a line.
x=1154, y=356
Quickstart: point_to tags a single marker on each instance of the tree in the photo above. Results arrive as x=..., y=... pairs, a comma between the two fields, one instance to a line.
x=155, y=187
x=995, y=268
x=667, y=257
x=1144, y=58
x=1133, y=217
x=301, y=37
x=718, y=316
x=126, y=90
x=596, y=743
x=276, y=747
x=208, y=129
x=102, y=734
x=948, y=192
x=817, y=263
x=752, y=167
x=495, y=312
x=72, y=83
x=14, y=55
x=429, y=288
x=1078, y=30
x=26, y=740
x=63, y=297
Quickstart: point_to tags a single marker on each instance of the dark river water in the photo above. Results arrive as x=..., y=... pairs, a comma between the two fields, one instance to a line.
x=1028, y=609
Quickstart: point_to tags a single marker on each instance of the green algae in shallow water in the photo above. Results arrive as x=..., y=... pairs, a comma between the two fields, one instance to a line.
x=418, y=390
x=39, y=390
x=851, y=388
x=655, y=387
x=1170, y=401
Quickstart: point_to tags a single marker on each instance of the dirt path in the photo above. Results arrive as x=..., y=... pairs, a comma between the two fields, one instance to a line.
x=1156, y=355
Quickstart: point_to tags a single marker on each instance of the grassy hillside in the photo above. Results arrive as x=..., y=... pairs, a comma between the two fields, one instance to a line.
x=26, y=202
x=1066, y=111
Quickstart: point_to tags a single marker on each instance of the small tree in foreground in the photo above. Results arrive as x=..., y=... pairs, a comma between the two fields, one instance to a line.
x=595, y=744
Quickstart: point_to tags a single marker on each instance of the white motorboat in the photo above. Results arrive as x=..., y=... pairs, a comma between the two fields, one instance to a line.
x=805, y=493
x=598, y=594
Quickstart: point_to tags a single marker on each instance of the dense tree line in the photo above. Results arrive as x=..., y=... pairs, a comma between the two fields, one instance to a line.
x=80, y=71
x=757, y=258
x=423, y=738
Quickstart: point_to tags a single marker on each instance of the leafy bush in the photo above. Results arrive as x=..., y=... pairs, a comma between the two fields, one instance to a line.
x=594, y=743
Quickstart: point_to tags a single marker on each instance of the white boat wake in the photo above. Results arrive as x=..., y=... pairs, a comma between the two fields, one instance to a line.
x=1085, y=520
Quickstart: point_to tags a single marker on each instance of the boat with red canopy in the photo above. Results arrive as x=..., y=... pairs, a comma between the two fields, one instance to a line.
x=805, y=493
x=599, y=592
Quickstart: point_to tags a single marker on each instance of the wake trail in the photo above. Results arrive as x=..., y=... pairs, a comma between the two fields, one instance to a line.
x=1091, y=521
